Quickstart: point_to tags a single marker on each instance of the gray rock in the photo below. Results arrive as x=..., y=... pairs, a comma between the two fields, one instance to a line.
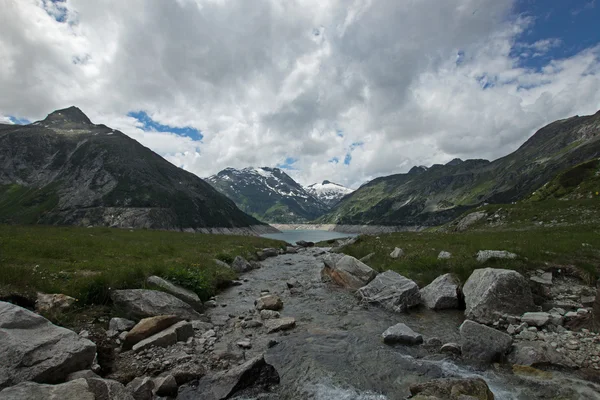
x=444, y=255
x=251, y=324
x=240, y=265
x=348, y=272
x=223, y=385
x=74, y=390
x=303, y=243
x=148, y=327
x=397, y=253
x=86, y=373
x=442, y=293
x=542, y=279
x=142, y=303
x=222, y=264
x=484, y=255
x=180, y=332
x=165, y=386
x=483, y=344
x=367, y=258
x=53, y=302
x=538, y=353
x=244, y=344
x=451, y=348
x=401, y=334
x=141, y=388
x=391, y=291
x=182, y=294
x=490, y=292
x=279, y=324
x=33, y=349
x=269, y=314
x=267, y=253
x=106, y=389
x=120, y=324
x=536, y=318
x=201, y=326
x=269, y=302
x=469, y=220
x=452, y=389
x=290, y=250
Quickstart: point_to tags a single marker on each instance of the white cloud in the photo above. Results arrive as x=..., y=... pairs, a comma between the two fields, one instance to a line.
x=416, y=82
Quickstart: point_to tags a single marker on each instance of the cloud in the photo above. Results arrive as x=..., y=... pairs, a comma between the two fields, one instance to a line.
x=266, y=82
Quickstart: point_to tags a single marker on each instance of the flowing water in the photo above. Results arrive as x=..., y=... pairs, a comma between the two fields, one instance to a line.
x=336, y=352
x=308, y=235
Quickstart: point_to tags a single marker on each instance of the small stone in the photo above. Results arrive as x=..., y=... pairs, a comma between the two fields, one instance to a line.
x=244, y=344
x=536, y=318
x=120, y=324
x=397, y=253
x=269, y=302
x=433, y=342
x=402, y=334
x=272, y=343
x=279, y=324
x=444, y=255
x=165, y=386
x=251, y=324
x=211, y=303
x=269, y=314
x=451, y=348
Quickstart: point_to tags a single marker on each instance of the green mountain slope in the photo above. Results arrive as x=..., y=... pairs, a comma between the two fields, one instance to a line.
x=436, y=195
x=65, y=170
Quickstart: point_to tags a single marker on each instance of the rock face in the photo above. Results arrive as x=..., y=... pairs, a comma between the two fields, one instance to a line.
x=74, y=390
x=33, y=349
x=401, y=334
x=483, y=344
x=452, y=389
x=222, y=385
x=349, y=272
x=391, y=291
x=442, y=293
x=397, y=253
x=142, y=303
x=240, y=265
x=182, y=294
x=148, y=327
x=52, y=302
x=269, y=302
x=490, y=291
x=484, y=255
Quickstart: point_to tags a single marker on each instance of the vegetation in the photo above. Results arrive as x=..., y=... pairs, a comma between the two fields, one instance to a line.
x=87, y=262
x=537, y=247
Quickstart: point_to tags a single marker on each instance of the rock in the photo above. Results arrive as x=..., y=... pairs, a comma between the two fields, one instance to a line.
x=244, y=344
x=538, y=353
x=187, y=372
x=141, y=388
x=451, y=348
x=490, y=292
x=211, y=304
x=292, y=283
x=222, y=264
x=483, y=344
x=367, y=258
x=542, y=279
x=148, y=327
x=187, y=296
x=33, y=349
x=536, y=318
x=74, y=390
x=267, y=253
x=433, y=342
x=251, y=324
x=303, y=243
x=269, y=302
x=53, y=302
x=180, y=332
x=279, y=324
x=469, y=220
x=269, y=314
x=442, y=293
x=240, y=265
x=201, y=326
x=391, y=291
x=401, y=334
x=348, y=272
x=397, y=253
x=165, y=386
x=120, y=324
x=444, y=255
x=143, y=303
x=484, y=255
x=453, y=389
x=85, y=373
x=291, y=250
x=106, y=389
x=222, y=385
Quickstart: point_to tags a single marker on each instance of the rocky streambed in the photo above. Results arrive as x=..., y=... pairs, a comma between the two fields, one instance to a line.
x=297, y=328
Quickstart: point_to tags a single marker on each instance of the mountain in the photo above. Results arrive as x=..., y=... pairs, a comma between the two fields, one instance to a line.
x=65, y=170
x=435, y=195
x=269, y=194
x=328, y=192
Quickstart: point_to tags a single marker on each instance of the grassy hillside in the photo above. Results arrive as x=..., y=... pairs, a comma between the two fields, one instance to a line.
x=86, y=262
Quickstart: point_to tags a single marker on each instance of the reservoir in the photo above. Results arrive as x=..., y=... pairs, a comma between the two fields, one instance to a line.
x=308, y=235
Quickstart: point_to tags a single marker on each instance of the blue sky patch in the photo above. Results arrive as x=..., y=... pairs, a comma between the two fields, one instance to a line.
x=57, y=9
x=288, y=164
x=334, y=160
x=18, y=121
x=348, y=158
x=148, y=124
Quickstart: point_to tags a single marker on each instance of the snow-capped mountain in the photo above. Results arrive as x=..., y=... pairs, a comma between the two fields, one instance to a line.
x=328, y=192
x=269, y=194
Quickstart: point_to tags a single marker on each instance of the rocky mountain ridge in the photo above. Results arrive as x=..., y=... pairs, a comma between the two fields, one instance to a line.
x=328, y=192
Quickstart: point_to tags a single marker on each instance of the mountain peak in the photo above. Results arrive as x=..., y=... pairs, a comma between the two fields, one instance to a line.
x=71, y=114
x=455, y=161
x=326, y=182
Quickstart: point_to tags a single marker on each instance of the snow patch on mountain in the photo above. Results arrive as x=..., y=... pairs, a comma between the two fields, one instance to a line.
x=328, y=192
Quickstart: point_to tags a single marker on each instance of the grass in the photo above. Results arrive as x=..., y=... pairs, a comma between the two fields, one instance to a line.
x=537, y=248
x=87, y=262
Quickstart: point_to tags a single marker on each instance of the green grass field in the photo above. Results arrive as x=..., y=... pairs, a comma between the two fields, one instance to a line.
x=87, y=262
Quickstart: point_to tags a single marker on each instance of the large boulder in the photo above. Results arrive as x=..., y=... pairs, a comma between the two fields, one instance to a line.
x=269, y=302
x=442, y=293
x=240, y=265
x=222, y=385
x=538, y=354
x=483, y=344
x=267, y=253
x=491, y=292
x=182, y=294
x=148, y=327
x=74, y=390
x=142, y=303
x=452, y=389
x=401, y=334
x=392, y=291
x=348, y=272
x=33, y=349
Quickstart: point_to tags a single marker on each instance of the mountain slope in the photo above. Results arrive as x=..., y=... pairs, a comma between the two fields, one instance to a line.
x=269, y=194
x=65, y=170
x=328, y=192
x=436, y=195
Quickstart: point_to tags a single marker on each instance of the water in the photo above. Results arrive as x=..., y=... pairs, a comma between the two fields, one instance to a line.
x=308, y=235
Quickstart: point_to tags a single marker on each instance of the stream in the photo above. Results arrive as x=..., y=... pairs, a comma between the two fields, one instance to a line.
x=336, y=352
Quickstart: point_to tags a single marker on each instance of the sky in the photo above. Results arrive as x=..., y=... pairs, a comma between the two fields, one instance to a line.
x=343, y=90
